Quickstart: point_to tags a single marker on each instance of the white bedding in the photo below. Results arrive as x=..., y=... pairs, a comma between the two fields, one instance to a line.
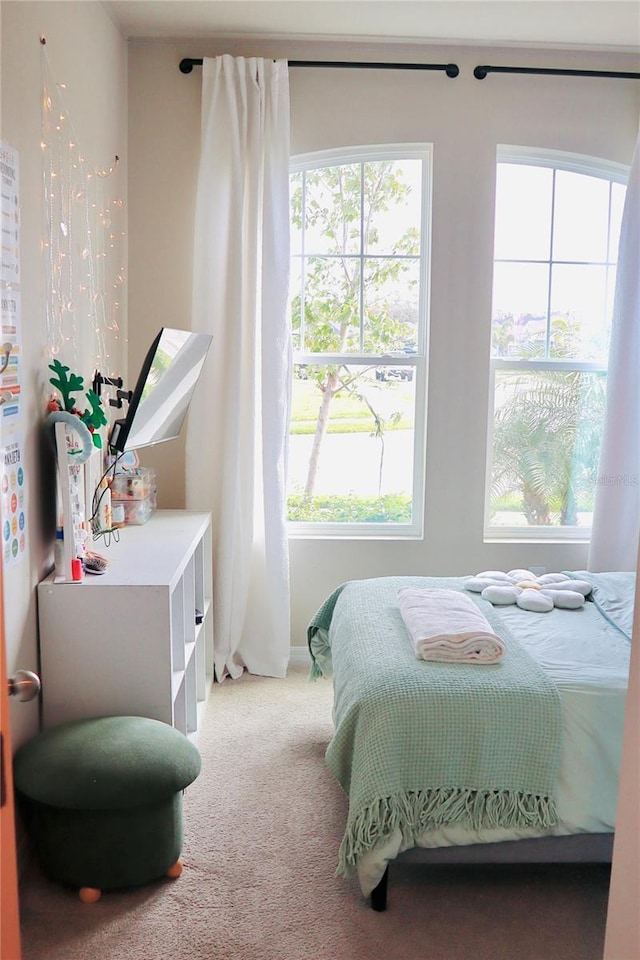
x=587, y=656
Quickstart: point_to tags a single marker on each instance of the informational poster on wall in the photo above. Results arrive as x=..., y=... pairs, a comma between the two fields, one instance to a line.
x=13, y=500
x=10, y=210
x=11, y=368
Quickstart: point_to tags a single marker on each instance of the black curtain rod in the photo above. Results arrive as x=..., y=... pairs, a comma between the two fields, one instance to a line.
x=481, y=72
x=451, y=69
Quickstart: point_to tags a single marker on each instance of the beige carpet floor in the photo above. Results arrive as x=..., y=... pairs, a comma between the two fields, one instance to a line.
x=263, y=823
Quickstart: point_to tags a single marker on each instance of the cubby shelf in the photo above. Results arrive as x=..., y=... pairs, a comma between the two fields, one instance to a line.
x=127, y=642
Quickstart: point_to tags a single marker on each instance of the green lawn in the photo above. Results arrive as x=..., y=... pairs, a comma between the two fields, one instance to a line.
x=348, y=414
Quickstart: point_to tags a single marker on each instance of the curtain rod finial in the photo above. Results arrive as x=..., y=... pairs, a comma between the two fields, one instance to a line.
x=480, y=73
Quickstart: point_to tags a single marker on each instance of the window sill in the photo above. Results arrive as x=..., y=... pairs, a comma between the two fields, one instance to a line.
x=306, y=532
x=550, y=535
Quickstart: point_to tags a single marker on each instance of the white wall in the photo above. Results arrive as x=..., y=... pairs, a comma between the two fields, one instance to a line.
x=464, y=119
x=87, y=53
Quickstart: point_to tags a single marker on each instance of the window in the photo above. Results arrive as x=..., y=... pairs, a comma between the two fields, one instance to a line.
x=359, y=237
x=557, y=223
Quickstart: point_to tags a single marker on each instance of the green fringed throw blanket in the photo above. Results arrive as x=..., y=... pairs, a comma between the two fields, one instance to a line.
x=417, y=744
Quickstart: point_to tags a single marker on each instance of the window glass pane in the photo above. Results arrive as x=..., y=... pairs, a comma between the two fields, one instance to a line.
x=579, y=311
x=611, y=290
x=546, y=442
x=519, y=317
x=581, y=217
x=351, y=445
x=391, y=291
x=523, y=212
x=295, y=302
x=618, y=192
x=295, y=202
x=332, y=305
x=393, y=206
x=333, y=207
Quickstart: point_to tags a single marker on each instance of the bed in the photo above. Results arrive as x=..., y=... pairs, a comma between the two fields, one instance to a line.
x=515, y=761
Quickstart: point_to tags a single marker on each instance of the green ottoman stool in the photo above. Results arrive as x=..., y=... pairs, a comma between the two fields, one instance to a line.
x=104, y=800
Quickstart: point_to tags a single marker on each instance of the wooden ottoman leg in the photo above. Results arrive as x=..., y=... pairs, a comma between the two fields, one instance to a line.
x=175, y=870
x=89, y=894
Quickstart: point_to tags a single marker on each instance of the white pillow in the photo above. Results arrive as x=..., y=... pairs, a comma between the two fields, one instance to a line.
x=538, y=594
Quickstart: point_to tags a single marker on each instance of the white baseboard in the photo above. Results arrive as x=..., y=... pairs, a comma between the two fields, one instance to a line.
x=300, y=655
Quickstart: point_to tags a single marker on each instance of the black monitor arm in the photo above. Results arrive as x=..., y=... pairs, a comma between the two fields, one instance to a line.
x=99, y=380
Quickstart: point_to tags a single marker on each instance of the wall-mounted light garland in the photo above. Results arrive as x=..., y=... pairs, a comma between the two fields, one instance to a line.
x=84, y=241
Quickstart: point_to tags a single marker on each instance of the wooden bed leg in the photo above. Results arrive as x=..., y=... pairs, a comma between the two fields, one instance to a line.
x=379, y=893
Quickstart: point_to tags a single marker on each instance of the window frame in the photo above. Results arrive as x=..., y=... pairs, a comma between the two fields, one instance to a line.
x=417, y=361
x=585, y=165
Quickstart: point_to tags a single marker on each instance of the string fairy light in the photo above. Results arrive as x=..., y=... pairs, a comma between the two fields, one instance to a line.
x=83, y=241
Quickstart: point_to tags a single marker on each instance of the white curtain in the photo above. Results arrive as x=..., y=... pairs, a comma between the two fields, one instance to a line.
x=237, y=436
x=616, y=519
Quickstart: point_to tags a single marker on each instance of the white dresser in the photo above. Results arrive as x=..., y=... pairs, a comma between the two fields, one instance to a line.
x=138, y=639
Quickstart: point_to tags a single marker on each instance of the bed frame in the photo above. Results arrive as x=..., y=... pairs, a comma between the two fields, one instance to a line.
x=575, y=848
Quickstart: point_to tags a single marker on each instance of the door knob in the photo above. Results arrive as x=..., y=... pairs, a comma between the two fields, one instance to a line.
x=25, y=685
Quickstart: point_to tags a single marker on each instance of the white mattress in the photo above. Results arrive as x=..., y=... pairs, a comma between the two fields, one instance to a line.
x=587, y=657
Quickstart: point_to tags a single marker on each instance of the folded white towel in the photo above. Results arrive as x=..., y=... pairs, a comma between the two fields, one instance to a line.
x=447, y=626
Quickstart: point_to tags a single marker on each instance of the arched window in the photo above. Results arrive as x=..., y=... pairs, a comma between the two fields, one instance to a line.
x=557, y=223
